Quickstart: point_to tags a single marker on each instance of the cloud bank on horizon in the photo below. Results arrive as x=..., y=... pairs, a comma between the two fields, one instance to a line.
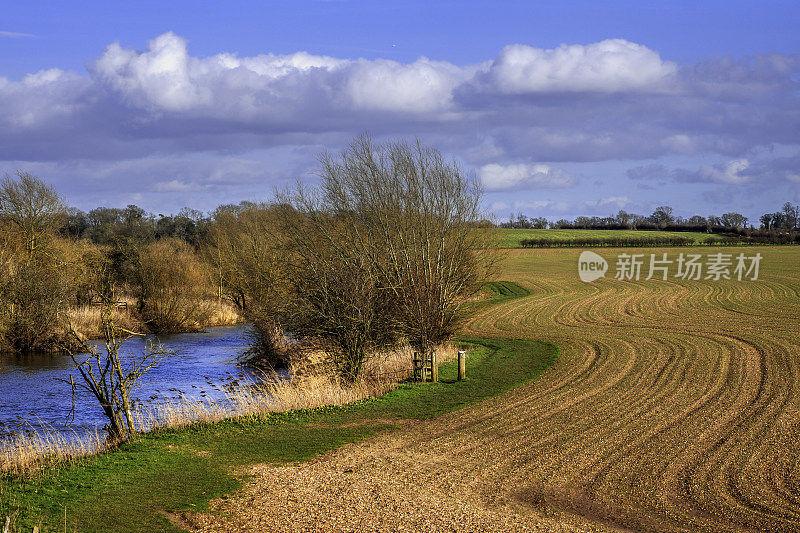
x=564, y=131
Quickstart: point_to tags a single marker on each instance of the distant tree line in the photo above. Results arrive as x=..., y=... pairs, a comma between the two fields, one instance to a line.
x=615, y=242
x=663, y=219
x=108, y=225
x=787, y=219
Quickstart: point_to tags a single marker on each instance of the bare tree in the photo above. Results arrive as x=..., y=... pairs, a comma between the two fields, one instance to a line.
x=32, y=285
x=244, y=246
x=110, y=374
x=32, y=207
x=413, y=216
x=173, y=287
x=334, y=292
x=246, y=249
x=390, y=246
x=662, y=216
x=32, y=298
x=734, y=220
x=792, y=213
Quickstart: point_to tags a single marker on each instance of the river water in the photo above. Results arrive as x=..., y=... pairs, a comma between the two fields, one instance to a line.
x=32, y=397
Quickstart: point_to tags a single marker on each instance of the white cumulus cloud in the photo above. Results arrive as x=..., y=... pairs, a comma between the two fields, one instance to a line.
x=165, y=77
x=526, y=104
x=162, y=76
x=40, y=98
x=424, y=85
x=612, y=65
x=731, y=173
x=496, y=177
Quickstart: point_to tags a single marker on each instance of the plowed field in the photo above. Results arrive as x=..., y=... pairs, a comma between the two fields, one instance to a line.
x=674, y=406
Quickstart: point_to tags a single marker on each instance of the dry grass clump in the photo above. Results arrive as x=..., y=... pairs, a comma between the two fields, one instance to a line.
x=221, y=313
x=86, y=320
x=398, y=363
x=23, y=454
x=262, y=399
x=308, y=359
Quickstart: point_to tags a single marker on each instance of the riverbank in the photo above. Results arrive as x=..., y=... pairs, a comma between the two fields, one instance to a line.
x=201, y=449
x=86, y=321
x=130, y=488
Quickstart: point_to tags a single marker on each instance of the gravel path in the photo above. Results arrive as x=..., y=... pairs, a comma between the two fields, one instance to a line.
x=393, y=482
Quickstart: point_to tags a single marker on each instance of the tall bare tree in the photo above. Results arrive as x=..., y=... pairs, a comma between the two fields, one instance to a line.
x=244, y=246
x=792, y=213
x=335, y=295
x=247, y=250
x=414, y=218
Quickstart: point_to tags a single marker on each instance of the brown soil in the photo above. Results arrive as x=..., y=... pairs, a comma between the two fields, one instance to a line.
x=674, y=406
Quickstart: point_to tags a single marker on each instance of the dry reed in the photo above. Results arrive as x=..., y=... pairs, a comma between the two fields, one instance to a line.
x=320, y=387
x=221, y=313
x=24, y=453
x=86, y=318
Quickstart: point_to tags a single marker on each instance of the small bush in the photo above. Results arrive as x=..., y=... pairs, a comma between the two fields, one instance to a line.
x=172, y=288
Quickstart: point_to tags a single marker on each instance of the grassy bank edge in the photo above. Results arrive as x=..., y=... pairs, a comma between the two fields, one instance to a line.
x=183, y=469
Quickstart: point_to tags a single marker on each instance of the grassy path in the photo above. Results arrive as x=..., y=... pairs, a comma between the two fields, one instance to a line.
x=129, y=489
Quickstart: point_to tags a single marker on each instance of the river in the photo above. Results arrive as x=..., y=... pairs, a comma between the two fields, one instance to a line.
x=32, y=395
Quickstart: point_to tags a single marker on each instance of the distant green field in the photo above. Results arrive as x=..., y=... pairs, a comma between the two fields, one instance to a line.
x=510, y=238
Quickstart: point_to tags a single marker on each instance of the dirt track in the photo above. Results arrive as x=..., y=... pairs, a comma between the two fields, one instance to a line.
x=673, y=407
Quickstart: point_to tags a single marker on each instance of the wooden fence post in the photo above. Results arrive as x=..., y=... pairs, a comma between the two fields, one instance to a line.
x=426, y=368
x=462, y=365
x=434, y=367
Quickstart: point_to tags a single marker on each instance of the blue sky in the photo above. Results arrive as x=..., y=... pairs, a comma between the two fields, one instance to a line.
x=561, y=108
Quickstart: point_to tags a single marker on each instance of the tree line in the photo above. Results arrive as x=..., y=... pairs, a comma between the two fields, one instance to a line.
x=662, y=218
x=386, y=250
x=611, y=242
